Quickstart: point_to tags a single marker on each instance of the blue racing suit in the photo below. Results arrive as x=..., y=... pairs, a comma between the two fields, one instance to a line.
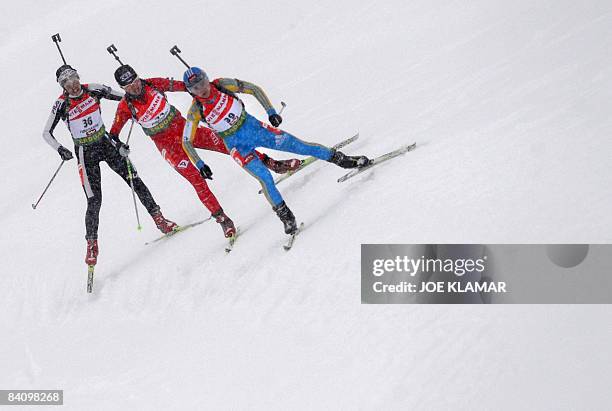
x=242, y=133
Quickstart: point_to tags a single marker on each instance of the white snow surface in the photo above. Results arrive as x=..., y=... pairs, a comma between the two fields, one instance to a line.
x=509, y=104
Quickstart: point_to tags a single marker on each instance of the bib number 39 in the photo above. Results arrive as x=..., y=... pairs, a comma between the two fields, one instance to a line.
x=231, y=118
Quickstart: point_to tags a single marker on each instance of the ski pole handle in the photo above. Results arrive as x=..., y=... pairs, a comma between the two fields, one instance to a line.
x=113, y=50
x=281, y=110
x=57, y=39
x=175, y=52
x=46, y=188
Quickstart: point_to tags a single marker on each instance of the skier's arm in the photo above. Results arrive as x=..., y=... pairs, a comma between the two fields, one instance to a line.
x=122, y=116
x=189, y=132
x=239, y=86
x=106, y=92
x=167, y=84
x=52, y=121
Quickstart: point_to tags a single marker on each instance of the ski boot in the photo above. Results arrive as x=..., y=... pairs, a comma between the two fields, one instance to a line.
x=287, y=217
x=281, y=166
x=163, y=224
x=91, y=256
x=227, y=225
x=340, y=159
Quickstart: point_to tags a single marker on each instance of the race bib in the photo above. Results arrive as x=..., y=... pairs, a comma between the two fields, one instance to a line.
x=85, y=119
x=225, y=114
x=156, y=112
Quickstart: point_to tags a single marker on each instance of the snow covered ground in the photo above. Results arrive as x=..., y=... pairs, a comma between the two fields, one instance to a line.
x=509, y=103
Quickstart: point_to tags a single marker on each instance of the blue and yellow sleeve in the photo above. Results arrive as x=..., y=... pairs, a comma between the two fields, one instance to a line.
x=189, y=132
x=240, y=86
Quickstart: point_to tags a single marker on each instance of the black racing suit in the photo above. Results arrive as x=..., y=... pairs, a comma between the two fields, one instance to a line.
x=93, y=145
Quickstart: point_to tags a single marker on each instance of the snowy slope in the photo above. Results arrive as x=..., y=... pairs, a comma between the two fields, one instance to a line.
x=508, y=102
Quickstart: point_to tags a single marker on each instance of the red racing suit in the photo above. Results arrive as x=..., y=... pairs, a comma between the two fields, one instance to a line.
x=164, y=124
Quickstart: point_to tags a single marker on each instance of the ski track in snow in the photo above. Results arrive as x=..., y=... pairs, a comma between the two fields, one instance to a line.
x=508, y=104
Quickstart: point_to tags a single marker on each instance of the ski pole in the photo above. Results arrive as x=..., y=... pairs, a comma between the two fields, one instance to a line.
x=175, y=52
x=46, y=188
x=112, y=50
x=129, y=133
x=131, y=177
x=281, y=110
x=57, y=40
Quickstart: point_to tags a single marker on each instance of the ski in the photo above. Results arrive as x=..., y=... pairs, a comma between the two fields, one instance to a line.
x=177, y=230
x=90, y=278
x=289, y=244
x=378, y=160
x=231, y=240
x=309, y=160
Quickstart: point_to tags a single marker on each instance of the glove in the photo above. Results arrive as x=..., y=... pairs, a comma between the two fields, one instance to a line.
x=275, y=119
x=124, y=149
x=206, y=172
x=64, y=153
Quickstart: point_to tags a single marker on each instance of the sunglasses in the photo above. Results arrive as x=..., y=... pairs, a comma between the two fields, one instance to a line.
x=131, y=83
x=200, y=85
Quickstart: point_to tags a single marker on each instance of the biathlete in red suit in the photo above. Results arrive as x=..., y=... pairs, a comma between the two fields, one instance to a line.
x=145, y=101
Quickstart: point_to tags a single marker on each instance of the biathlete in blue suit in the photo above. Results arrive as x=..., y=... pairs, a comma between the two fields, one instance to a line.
x=216, y=104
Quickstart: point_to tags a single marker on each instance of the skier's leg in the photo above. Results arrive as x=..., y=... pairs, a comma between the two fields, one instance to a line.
x=188, y=171
x=89, y=172
x=118, y=164
x=255, y=167
x=270, y=137
x=191, y=174
x=279, y=166
x=264, y=135
x=207, y=139
x=244, y=154
x=172, y=151
x=242, y=150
